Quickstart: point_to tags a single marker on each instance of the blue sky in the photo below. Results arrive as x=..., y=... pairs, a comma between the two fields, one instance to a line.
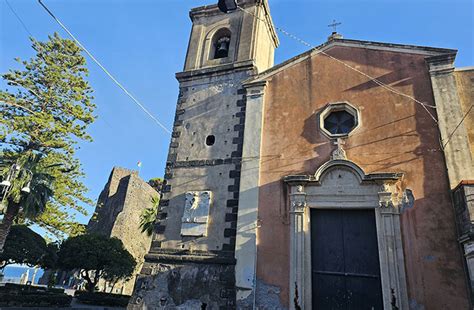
x=143, y=43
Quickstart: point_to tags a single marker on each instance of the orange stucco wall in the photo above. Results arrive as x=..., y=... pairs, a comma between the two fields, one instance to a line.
x=396, y=135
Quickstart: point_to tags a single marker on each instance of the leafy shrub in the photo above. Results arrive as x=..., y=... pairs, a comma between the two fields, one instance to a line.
x=12, y=287
x=30, y=296
x=102, y=299
x=97, y=257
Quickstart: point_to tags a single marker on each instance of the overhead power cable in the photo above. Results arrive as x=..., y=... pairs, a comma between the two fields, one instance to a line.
x=320, y=51
x=105, y=70
x=457, y=126
x=19, y=18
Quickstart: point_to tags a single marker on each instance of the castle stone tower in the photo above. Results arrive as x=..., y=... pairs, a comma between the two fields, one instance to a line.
x=192, y=260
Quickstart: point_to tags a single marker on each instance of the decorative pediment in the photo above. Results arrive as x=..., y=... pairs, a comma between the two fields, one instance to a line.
x=343, y=164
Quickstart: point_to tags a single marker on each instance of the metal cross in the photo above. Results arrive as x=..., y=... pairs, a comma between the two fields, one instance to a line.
x=334, y=25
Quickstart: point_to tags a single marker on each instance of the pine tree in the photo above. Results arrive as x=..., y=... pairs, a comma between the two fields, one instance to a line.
x=46, y=110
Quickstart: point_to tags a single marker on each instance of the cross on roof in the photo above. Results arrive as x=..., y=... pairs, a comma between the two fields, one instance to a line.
x=334, y=25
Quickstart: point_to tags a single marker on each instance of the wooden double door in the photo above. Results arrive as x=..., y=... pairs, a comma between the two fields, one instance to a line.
x=345, y=260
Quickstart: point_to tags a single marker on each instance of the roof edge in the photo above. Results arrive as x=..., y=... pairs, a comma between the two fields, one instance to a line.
x=413, y=49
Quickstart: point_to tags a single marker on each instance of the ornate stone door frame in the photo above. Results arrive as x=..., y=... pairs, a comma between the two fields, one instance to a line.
x=342, y=184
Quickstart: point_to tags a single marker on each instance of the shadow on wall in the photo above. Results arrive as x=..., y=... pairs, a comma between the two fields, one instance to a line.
x=409, y=143
x=109, y=207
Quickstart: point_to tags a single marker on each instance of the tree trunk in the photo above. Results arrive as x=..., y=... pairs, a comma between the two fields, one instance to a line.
x=89, y=285
x=113, y=285
x=12, y=212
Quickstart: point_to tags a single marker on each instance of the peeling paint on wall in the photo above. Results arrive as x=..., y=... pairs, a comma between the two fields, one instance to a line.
x=268, y=296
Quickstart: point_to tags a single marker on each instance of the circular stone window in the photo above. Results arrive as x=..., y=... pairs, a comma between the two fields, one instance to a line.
x=339, y=119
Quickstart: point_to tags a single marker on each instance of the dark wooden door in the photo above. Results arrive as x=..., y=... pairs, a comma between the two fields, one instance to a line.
x=345, y=260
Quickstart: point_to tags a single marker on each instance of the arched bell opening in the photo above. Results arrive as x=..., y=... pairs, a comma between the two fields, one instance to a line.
x=221, y=44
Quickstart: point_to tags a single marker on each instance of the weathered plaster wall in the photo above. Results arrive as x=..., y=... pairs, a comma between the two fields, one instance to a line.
x=465, y=85
x=120, y=205
x=209, y=105
x=449, y=108
x=396, y=135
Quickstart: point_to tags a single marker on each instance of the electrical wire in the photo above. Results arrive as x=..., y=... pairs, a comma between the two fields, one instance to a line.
x=319, y=51
x=375, y=80
x=290, y=35
x=19, y=18
x=105, y=70
x=457, y=126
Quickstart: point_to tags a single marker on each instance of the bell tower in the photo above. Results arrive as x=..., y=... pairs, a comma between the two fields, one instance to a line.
x=244, y=35
x=192, y=259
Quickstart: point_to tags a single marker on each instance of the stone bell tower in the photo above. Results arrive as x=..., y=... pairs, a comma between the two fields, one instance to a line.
x=192, y=259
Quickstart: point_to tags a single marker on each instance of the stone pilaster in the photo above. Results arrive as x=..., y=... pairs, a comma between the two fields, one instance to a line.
x=391, y=247
x=454, y=135
x=246, y=240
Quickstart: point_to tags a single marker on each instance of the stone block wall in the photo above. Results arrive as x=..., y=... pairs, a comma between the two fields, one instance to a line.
x=118, y=212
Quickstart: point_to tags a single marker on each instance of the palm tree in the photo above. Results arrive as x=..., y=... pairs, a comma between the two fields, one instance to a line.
x=29, y=192
x=148, y=217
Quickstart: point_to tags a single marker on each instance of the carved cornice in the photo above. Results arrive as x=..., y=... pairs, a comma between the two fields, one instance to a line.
x=441, y=64
x=216, y=70
x=255, y=90
x=363, y=177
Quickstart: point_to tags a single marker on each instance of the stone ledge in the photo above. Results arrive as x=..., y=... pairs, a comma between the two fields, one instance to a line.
x=221, y=69
x=187, y=257
x=202, y=163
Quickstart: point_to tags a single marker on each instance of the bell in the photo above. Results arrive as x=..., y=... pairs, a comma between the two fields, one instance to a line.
x=222, y=47
x=227, y=6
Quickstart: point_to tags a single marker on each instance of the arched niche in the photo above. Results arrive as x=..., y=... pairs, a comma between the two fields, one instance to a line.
x=223, y=31
x=220, y=44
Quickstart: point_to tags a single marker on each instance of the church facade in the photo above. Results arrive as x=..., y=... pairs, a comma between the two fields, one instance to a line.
x=339, y=179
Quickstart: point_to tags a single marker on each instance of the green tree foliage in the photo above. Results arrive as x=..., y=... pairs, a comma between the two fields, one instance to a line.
x=23, y=246
x=97, y=257
x=121, y=269
x=148, y=217
x=27, y=171
x=47, y=109
x=50, y=258
x=156, y=184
